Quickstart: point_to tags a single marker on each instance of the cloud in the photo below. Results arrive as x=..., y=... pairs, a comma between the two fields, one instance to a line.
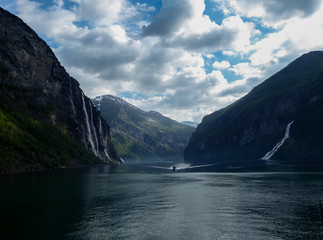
x=233, y=34
x=214, y=40
x=286, y=9
x=272, y=12
x=170, y=18
x=221, y=65
x=246, y=70
x=177, y=59
x=98, y=48
x=55, y=22
x=277, y=49
x=101, y=12
x=183, y=24
x=92, y=83
x=229, y=53
x=101, y=53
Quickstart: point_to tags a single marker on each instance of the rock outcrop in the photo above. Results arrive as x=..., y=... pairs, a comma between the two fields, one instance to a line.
x=31, y=78
x=252, y=126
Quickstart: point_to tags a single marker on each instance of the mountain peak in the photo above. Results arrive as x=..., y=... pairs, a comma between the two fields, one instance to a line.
x=140, y=135
x=110, y=98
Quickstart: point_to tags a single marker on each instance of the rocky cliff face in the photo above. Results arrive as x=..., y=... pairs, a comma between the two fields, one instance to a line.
x=32, y=77
x=140, y=135
x=252, y=126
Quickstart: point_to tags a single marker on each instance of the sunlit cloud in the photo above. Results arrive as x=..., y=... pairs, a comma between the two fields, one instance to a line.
x=170, y=56
x=221, y=65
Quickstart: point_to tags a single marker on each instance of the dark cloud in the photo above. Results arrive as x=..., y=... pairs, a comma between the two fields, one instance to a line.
x=289, y=8
x=170, y=18
x=109, y=65
x=153, y=66
x=216, y=39
x=277, y=10
x=98, y=53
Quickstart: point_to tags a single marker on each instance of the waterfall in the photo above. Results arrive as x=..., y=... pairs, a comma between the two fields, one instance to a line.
x=73, y=107
x=93, y=127
x=100, y=131
x=71, y=100
x=88, y=127
x=274, y=150
x=100, y=126
x=106, y=153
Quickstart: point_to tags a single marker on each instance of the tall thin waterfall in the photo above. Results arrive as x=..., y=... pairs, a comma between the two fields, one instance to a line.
x=100, y=126
x=71, y=100
x=90, y=138
x=93, y=127
x=278, y=145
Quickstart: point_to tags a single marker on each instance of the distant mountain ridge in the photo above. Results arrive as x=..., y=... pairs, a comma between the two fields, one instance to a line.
x=190, y=123
x=253, y=125
x=46, y=121
x=142, y=136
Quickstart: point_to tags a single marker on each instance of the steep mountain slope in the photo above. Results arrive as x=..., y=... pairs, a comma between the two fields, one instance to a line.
x=140, y=135
x=252, y=126
x=45, y=119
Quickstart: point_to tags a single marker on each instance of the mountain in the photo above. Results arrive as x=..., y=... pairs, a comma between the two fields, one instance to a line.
x=46, y=121
x=285, y=112
x=141, y=136
x=189, y=123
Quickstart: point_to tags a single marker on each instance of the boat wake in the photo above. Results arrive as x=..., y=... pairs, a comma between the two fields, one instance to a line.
x=181, y=166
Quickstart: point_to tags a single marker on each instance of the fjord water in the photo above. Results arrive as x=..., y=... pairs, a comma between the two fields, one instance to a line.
x=152, y=202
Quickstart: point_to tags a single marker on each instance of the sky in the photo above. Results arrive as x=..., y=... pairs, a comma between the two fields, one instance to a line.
x=182, y=58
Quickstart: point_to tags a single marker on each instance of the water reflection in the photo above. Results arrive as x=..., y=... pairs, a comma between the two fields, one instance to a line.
x=134, y=202
x=200, y=206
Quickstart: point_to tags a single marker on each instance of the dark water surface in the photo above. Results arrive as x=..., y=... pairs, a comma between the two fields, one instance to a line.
x=152, y=202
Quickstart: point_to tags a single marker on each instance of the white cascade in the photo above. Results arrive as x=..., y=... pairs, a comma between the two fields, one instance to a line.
x=100, y=127
x=105, y=150
x=90, y=138
x=71, y=100
x=278, y=145
x=93, y=127
x=73, y=107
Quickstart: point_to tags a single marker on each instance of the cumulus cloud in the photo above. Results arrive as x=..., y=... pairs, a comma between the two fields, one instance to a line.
x=183, y=24
x=277, y=49
x=101, y=12
x=221, y=65
x=56, y=22
x=272, y=12
x=170, y=18
x=213, y=40
x=171, y=58
x=101, y=53
x=233, y=34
